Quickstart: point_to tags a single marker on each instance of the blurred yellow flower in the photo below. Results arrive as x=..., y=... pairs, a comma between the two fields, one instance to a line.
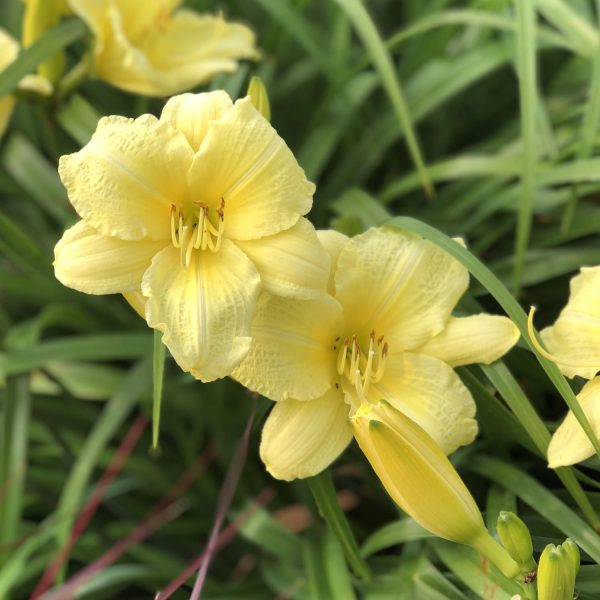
x=385, y=330
x=573, y=342
x=200, y=210
x=146, y=48
x=9, y=49
x=39, y=16
x=421, y=480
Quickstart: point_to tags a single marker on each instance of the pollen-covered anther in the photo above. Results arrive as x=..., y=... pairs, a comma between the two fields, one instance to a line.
x=362, y=368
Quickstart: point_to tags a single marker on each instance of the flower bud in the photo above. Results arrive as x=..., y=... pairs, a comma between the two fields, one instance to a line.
x=421, y=480
x=258, y=95
x=572, y=550
x=556, y=574
x=515, y=537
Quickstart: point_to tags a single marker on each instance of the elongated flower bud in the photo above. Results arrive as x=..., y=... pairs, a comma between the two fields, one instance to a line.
x=516, y=539
x=259, y=97
x=556, y=573
x=421, y=480
x=572, y=550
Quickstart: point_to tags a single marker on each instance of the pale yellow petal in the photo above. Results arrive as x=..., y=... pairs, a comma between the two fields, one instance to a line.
x=569, y=444
x=333, y=242
x=291, y=263
x=475, y=339
x=36, y=83
x=430, y=393
x=9, y=49
x=192, y=113
x=125, y=179
x=245, y=162
x=398, y=284
x=292, y=355
x=92, y=12
x=139, y=16
x=137, y=301
x=96, y=264
x=119, y=61
x=204, y=311
x=575, y=336
x=300, y=439
x=191, y=49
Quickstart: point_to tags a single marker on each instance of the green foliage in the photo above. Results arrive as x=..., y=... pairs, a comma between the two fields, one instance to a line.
x=495, y=104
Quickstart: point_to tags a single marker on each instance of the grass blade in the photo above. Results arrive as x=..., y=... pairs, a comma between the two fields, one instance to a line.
x=382, y=61
x=526, y=73
x=55, y=39
x=158, y=371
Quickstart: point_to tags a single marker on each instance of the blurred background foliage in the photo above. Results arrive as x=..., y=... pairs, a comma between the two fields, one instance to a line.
x=492, y=106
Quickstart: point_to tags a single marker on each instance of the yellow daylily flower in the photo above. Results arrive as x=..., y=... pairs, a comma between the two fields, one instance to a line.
x=421, y=480
x=573, y=343
x=200, y=210
x=155, y=51
x=39, y=16
x=9, y=49
x=385, y=330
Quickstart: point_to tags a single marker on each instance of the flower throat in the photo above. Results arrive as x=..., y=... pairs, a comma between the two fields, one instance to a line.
x=196, y=231
x=359, y=367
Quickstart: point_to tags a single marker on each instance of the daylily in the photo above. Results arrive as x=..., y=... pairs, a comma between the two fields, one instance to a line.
x=573, y=343
x=384, y=331
x=200, y=210
x=418, y=476
x=9, y=49
x=150, y=49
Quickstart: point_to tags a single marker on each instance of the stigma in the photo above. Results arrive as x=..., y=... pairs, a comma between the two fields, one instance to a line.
x=362, y=368
x=196, y=231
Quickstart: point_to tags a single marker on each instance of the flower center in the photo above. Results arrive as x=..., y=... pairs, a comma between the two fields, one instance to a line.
x=195, y=231
x=359, y=367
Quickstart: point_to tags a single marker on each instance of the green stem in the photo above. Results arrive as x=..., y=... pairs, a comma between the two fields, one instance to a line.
x=74, y=78
x=323, y=491
x=490, y=548
x=158, y=369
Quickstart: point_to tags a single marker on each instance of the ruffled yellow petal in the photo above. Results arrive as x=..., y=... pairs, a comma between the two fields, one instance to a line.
x=569, y=444
x=333, y=242
x=300, y=439
x=125, y=179
x=204, y=311
x=575, y=336
x=191, y=49
x=430, y=393
x=291, y=263
x=96, y=264
x=139, y=16
x=245, y=162
x=475, y=339
x=192, y=113
x=399, y=285
x=292, y=353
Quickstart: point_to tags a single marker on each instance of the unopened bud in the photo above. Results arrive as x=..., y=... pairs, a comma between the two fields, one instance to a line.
x=515, y=537
x=421, y=480
x=556, y=574
x=259, y=97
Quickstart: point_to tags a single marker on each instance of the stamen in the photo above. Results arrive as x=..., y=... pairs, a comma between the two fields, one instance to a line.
x=362, y=369
x=174, y=239
x=555, y=359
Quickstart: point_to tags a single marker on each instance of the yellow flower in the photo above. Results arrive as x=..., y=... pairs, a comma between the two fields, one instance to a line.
x=421, y=480
x=385, y=330
x=573, y=343
x=146, y=48
x=9, y=49
x=200, y=210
